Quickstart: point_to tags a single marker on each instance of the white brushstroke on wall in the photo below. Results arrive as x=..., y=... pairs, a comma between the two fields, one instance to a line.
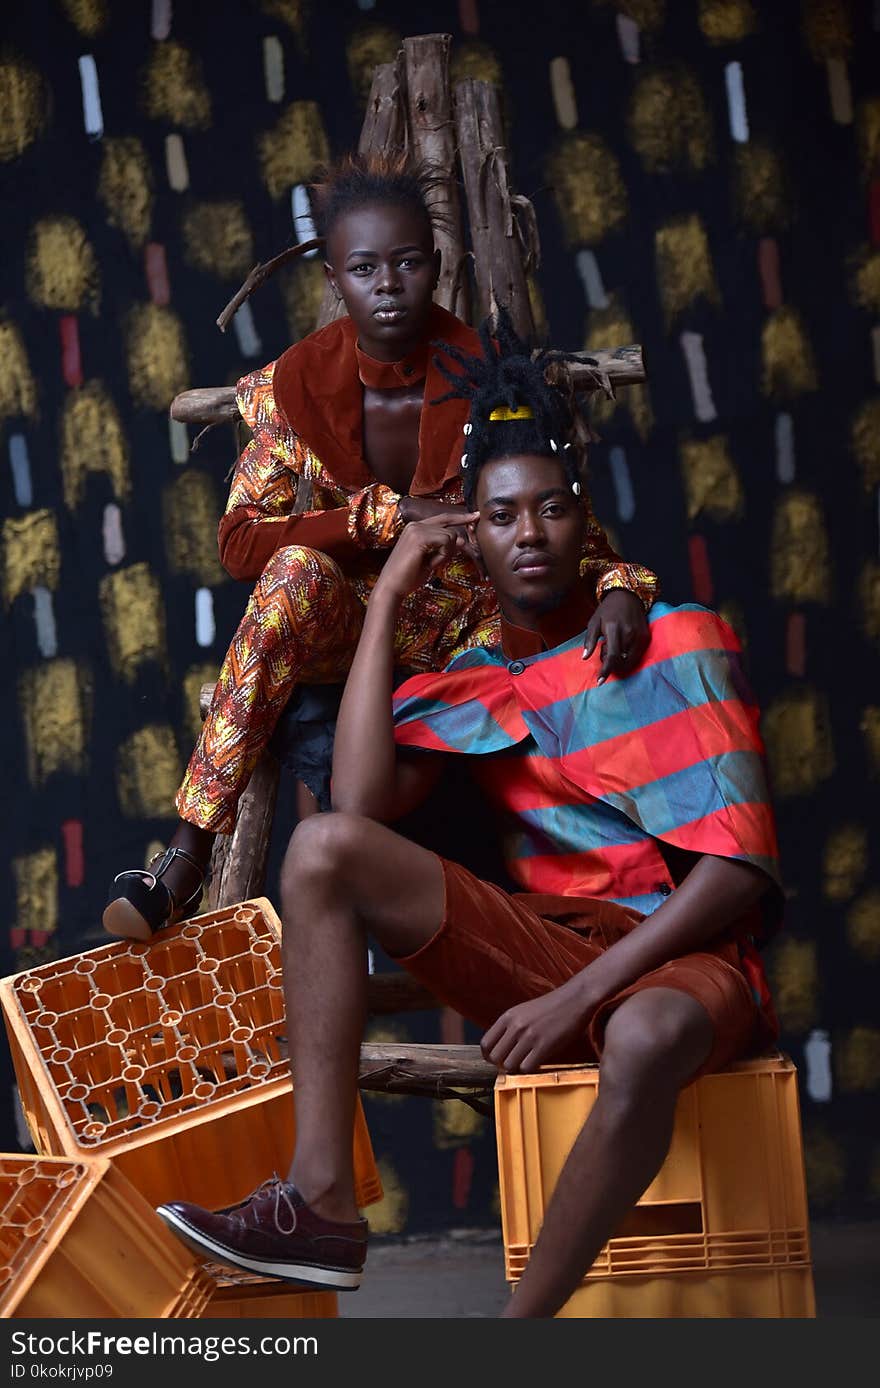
x=698, y=376
x=93, y=116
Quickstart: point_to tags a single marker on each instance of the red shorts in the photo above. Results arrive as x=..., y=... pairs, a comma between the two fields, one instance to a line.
x=494, y=950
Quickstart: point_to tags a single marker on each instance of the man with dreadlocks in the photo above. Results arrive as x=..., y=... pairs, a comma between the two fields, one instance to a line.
x=637, y=826
x=342, y=409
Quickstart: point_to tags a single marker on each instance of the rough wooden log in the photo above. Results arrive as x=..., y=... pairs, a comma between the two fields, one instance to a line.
x=623, y=366
x=499, y=252
x=238, y=860
x=430, y=132
x=259, y=275
x=437, y=1072
x=397, y=992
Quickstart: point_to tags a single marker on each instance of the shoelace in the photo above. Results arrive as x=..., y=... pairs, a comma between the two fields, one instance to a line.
x=276, y=1186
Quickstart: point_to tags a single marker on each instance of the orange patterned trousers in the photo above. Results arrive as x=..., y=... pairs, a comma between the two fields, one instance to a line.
x=302, y=625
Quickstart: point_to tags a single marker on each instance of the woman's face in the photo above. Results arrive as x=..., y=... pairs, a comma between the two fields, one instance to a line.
x=382, y=261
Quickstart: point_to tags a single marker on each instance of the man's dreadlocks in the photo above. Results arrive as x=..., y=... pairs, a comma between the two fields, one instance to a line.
x=507, y=380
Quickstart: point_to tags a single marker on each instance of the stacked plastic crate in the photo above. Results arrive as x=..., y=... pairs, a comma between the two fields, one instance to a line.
x=721, y=1231
x=168, y=1061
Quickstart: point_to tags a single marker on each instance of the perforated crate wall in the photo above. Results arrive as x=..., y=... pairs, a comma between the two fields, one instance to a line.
x=76, y=1240
x=730, y=1195
x=167, y=1057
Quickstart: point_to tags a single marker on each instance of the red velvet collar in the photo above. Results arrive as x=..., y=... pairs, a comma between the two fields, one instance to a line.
x=391, y=375
x=318, y=390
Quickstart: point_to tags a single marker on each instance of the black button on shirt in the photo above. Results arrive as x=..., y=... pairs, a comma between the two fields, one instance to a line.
x=664, y=889
x=516, y=667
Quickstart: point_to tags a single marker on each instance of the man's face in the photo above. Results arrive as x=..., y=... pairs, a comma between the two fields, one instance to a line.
x=381, y=259
x=530, y=533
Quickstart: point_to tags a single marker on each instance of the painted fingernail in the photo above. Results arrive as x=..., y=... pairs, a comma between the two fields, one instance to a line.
x=600, y=680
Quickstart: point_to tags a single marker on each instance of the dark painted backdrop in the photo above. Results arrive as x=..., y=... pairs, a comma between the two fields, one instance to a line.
x=707, y=181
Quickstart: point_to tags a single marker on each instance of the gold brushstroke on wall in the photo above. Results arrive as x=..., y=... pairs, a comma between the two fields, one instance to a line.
x=828, y=28
x=217, y=238
x=684, y=265
x=649, y=15
x=669, y=122
x=787, y=357
x=125, y=187
x=870, y=730
x=293, y=13
x=367, y=47
x=794, y=980
x=24, y=106
x=455, y=1124
x=134, y=619
x=31, y=553
x=711, y=480
x=388, y=1215
x=726, y=21
x=36, y=890
x=54, y=699
x=475, y=59
x=92, y=440
x=89, y=16
x=61, y=267
x=191, y=508
x=800, y=567
x=857, y=1060
x=868, y=135
x=174, y=87
x=587, y=185
x=797, y=732
x=18, y=393
x=612, y=327
x=825, y=1163
x=863, y=925
x=844, y=862
x=294, y=148
x=158, y=365
x=865, y=283
x=148, y=773
x=761, y=188
x=195, y=677
x=869, y=597
x=865, y=436
x=302, y=290
x=732, y=613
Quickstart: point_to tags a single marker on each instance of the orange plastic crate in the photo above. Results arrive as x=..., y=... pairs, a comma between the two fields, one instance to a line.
x=76, y=1240
x=167, y=1057
x=759, y=1293
x=241, y=1295
x=730, y=1196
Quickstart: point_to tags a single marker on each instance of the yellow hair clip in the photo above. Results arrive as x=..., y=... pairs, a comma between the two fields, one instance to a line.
x=502, y=413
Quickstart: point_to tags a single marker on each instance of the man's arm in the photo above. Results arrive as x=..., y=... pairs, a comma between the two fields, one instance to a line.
x=715, y=893
x=369, y=776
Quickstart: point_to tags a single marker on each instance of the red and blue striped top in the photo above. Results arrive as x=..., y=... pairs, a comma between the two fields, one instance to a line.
x=589, y=780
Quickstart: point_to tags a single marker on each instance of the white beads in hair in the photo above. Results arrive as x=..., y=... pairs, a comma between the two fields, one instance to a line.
x=464, y=460
x=554, y=445
x=576, y=488
x=468, y=429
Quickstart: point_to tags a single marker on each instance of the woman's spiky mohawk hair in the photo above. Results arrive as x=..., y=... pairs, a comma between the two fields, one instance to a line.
x=391, y=177
x=508, y=379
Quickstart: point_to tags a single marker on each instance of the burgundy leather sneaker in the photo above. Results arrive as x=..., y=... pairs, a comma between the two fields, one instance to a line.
x=275, y=1233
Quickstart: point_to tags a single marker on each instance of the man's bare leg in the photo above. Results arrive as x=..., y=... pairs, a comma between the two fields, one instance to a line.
x=653, y=1044
x=343, y=876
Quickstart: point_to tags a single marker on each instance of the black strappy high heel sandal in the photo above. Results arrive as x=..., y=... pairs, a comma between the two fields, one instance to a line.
x=141, y=903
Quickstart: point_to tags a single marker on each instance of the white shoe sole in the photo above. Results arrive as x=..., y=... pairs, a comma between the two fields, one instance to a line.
x=331, y=1279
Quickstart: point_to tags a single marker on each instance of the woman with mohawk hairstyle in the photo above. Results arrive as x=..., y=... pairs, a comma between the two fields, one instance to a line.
x=343, y=410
